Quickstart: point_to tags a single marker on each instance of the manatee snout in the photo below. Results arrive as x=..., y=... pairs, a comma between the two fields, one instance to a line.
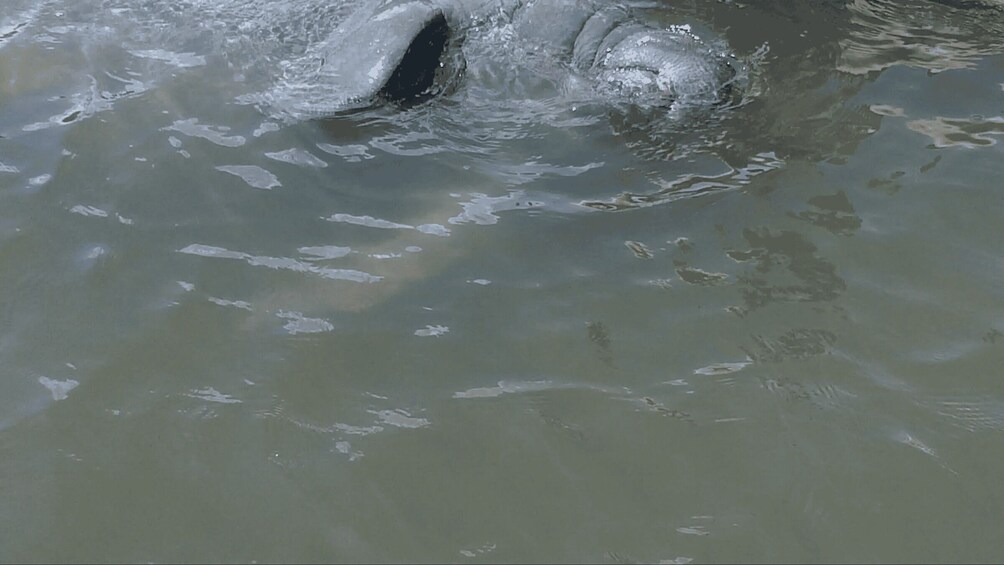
x=666, y=67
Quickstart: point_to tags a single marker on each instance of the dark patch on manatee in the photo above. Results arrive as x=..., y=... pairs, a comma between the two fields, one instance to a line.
x=415, y=76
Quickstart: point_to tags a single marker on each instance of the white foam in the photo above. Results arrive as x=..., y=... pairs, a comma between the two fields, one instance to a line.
x=182, y=60
x=210, y=394
x=59, y=389
x=300, y=324
x=89, y=211
x=39, y=180
x=721, y=368
x=368, y=221
x=231, y=303
x=297, y=156
x=400, y=418
x=351, y=153
x=432, y=331
x=324, y=252
x=434, y=229
x=215, y=134
x=504, y=388
x=253, y=175
x=283, y=263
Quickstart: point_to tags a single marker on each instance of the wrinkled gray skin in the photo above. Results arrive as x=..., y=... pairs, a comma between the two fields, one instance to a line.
x=366, y=56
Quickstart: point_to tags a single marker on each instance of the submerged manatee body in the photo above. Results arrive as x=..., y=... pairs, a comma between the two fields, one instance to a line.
x=408, y=50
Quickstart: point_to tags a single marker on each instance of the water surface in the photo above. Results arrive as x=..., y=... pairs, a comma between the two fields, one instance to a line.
x=514, y=323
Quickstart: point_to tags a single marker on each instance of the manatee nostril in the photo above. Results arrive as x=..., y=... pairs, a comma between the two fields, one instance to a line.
x=415, y=76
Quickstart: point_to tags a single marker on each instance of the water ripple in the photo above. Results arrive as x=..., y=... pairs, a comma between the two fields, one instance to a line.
x=956, y=132
x=689, y=186
x=371, y=222
x=215, y=134
x=929, y=35
x=280, y=263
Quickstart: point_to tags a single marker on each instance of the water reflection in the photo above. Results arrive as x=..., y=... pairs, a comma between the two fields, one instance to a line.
x=955, y=132
x=936, y=36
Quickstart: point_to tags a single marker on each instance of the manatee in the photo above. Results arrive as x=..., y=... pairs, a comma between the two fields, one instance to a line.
x=406, y=51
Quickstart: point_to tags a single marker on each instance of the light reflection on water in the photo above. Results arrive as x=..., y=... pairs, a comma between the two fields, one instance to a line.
x=507, y=325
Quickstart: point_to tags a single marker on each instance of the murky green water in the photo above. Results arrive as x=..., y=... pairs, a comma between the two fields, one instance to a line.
x=503, y=326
